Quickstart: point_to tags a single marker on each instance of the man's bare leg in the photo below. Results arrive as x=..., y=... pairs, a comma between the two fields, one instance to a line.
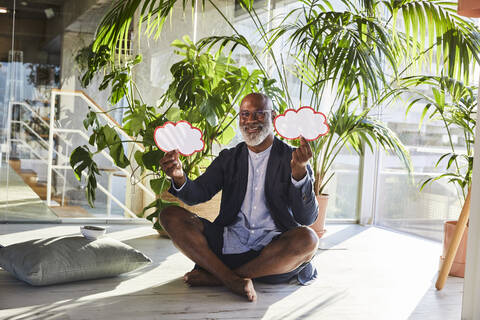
x=186, y=232
x=283, y=255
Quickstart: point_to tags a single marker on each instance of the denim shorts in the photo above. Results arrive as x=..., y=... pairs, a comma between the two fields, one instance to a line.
x=214, y=235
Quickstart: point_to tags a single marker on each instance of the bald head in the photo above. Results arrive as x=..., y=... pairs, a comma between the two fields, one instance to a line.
x=259, y=100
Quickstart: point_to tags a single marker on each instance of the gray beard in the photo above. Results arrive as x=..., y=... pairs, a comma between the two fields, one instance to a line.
x=254, y=139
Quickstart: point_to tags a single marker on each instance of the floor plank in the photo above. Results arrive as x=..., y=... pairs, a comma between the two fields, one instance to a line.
x=364, y=273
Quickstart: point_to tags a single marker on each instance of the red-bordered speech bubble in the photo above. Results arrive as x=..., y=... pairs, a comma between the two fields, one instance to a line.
x=181, y=136
x=305, y=122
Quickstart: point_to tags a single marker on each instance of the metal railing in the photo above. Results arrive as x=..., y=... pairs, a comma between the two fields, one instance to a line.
x=49, y=145
x=91, y=103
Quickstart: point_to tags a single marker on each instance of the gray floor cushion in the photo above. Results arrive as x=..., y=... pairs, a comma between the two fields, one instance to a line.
x=72, y=258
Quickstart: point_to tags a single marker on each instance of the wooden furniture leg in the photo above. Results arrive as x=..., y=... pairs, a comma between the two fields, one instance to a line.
x=452, y=249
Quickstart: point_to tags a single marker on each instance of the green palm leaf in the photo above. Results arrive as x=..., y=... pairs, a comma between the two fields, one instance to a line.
x=433, y=25
x=115, y=25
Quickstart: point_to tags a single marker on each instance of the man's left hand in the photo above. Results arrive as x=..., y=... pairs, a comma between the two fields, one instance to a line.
x=300, y=159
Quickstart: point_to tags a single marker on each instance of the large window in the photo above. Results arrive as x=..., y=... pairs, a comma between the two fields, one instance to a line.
x=400, y=202
x=38, y=46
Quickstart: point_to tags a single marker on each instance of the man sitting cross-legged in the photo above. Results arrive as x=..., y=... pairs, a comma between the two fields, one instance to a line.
x=267, y=203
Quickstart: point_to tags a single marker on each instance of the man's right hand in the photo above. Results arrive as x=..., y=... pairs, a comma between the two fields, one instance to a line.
x=172, y=167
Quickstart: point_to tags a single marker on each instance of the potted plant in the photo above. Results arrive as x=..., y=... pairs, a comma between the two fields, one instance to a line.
x=326, y=58
x=204, y=90
x=454, y=104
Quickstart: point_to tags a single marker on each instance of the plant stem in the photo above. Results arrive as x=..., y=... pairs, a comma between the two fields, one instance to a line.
x=138, y=91
x=254, y=56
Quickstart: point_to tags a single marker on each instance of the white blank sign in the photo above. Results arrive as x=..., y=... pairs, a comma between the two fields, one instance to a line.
x=181, y=136
x=304, y=122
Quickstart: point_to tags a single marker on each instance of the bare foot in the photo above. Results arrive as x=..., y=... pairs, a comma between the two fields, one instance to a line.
x=243, y=287
x=198, y=277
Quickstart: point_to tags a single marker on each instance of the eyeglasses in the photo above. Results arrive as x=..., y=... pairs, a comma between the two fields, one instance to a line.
x=258, y=115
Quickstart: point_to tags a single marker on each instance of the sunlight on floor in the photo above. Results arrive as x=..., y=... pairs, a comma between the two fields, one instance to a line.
x=41, y=231
x=364, y=273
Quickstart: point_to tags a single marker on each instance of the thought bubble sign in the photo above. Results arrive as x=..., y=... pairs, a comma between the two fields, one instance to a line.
x=181, y=136
x=304, y=122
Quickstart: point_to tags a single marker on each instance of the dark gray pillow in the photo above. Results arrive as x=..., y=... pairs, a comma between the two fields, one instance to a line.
x=64, y=259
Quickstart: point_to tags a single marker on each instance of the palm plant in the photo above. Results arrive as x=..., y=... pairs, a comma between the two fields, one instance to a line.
x=348, y=49
x=341, y=50
x=454, y=104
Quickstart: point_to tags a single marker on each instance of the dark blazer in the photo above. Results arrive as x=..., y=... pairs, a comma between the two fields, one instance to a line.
x=289, y=206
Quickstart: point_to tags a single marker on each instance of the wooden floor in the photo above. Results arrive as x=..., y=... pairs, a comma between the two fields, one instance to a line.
x=364, y=273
